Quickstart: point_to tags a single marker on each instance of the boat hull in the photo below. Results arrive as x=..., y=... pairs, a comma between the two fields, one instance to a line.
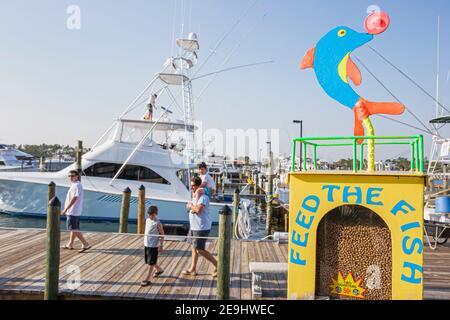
x=30, y=199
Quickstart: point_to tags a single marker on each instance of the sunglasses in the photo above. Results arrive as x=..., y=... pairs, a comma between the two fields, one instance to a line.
x=72, y=175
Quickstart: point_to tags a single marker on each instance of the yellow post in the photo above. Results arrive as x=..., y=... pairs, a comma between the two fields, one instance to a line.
x=371, y=145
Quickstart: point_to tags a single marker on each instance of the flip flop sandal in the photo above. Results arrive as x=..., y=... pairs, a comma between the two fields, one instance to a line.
x=188, y=273
x=84, y=249
x=157, y=274
x=67, y=248
x=145, y=283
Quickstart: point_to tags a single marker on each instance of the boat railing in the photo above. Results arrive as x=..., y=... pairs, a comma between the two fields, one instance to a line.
x=415, y=142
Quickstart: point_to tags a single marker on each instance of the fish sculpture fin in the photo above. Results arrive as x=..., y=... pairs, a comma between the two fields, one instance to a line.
x=308, y=59
x=390, y=108
x=358, y=128
x=353, y=72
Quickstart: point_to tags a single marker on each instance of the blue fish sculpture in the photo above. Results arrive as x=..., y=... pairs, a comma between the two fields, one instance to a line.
x=334, y=68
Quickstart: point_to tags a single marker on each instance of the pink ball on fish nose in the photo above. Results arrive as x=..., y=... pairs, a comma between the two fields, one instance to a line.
x=377, y=22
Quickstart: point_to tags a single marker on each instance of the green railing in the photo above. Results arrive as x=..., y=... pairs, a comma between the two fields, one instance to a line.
x=416, y=143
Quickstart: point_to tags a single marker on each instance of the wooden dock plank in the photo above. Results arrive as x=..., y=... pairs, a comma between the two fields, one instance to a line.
x=114, y=268
x=208, y=290
x=169, y=265
x=245, y=276
x=180, y=264
x=95, y=261
x=189, y=287
x=170, y=250
x=197, y=282
x=24, y=240
x=235, y=276
x=32, y=277
x=67, y=257
x=113, y=272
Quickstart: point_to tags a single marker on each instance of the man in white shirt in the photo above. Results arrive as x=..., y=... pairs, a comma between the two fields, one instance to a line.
x=200, y=227
x=72, y=209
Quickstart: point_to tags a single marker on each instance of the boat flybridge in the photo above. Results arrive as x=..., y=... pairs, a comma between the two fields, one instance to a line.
x=439, y=161
x=158, y=154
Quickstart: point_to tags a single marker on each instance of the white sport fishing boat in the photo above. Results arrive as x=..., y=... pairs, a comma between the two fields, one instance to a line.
x=12, y=159
x=131, y=153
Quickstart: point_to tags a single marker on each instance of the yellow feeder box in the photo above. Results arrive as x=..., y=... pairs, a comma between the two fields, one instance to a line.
x=357, y=235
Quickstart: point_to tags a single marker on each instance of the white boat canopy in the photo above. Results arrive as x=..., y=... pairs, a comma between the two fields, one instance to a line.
x=173, y=78
x=190, y=44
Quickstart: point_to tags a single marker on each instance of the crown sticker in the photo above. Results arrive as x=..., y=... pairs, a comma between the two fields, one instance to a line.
x=348, y=287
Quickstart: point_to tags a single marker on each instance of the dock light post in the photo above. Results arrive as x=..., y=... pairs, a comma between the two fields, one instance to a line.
x=300, y=123
x=260, y=159
x=269, y=150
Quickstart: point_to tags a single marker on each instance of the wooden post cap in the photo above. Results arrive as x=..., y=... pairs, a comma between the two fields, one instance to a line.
x=226, y=211
x=142, y=187
x=52, y=184
x=127, y=190
x=54, y=202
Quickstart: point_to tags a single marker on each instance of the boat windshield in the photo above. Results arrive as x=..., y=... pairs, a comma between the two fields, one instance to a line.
x=184, y=174
x=131, y=172
x=163, y=133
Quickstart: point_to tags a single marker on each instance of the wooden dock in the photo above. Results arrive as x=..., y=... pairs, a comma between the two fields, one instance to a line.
x=114, y=267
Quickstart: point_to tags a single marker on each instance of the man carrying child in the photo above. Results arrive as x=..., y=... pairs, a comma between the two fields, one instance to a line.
x=200, y=227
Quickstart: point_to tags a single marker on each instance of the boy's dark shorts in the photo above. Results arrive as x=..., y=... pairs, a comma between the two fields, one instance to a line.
x=198, y=243
x=73, y=223
x=151, y=256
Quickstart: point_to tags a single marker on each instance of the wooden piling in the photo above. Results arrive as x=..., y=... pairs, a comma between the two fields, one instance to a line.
x=236, y=201
x=125, y=210
x=79, y=155
x=223, y=184
x=269, y=198
x=42, y=164
x=286, y=221
x=51, y=191
x=53, y=247
x=257, y=183
x=224, y=253
x=141, y=211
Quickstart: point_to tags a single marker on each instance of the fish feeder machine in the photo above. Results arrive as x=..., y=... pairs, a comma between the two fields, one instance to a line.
x=355, y=234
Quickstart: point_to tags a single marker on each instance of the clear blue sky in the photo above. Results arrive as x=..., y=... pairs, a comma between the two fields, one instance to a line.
x=57, y=85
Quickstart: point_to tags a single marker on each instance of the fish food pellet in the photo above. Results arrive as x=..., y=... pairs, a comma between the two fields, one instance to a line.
x=354, y=240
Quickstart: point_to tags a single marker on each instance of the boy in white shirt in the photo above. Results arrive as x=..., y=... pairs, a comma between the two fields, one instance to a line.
x=208, y=186
x=153, y=243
